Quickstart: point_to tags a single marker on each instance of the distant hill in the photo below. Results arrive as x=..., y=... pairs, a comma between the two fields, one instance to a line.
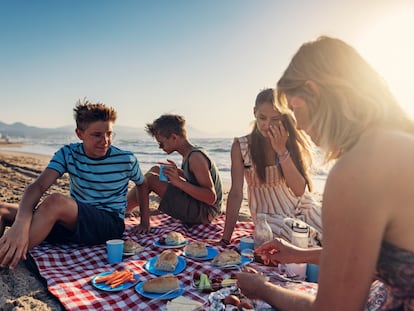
x=21, y=130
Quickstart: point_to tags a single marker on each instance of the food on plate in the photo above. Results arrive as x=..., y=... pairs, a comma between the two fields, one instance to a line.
x=225, y=258
x=196, y=249
x=166, y=261
x=228, y=282
x=116, y=278
x=231, y=300
x=174, y=238
x=206, y=284
x=161, y=284
x=183, y=304
x=132, y=247
x=245, y=304
x=240, y=303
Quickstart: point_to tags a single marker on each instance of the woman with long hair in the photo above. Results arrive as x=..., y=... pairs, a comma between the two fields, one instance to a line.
x=367, y=259
x=274, y=159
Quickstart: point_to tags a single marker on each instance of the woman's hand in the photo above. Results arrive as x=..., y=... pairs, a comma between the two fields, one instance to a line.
x=250, y=283
x=278, y=137
x=279, y=251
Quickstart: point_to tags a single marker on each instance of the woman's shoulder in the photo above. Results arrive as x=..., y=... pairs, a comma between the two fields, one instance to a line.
x=242, y=139
x=373, y=162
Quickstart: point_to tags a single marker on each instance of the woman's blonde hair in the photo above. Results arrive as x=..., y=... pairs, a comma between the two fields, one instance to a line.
x=344, y=94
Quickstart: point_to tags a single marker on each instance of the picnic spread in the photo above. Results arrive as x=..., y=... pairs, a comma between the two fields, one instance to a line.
x=72, y=271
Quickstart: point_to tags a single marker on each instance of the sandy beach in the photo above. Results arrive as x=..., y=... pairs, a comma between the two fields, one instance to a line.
x=19, y=288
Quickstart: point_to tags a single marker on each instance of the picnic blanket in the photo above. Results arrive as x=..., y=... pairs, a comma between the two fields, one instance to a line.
x=68, y=269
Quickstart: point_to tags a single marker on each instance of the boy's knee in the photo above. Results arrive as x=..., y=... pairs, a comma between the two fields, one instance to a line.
x=152, y=177
x=51, y=202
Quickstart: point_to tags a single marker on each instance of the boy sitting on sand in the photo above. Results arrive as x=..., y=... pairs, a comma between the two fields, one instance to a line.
x=193, y=194
x=99, y=176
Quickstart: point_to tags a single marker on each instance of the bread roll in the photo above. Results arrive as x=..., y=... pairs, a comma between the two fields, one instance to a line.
x=167, y=261
x=162, y=284
x=174, y=238
x=196, y=249
x=132, y=247
x=227, y=258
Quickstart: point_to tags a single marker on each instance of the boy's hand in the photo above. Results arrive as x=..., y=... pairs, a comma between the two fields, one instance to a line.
x=13, y=247
x=141, y=228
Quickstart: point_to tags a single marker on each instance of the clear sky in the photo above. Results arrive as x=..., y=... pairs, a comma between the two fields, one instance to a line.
x=204, y=59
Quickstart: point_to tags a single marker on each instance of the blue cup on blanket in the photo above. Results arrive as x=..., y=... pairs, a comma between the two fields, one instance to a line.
x=246, y=244
x=162, y=176
x=312, y=272
x=114, y=249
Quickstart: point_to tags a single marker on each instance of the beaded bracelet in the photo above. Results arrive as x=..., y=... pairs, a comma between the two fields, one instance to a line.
x=284, y=154
x=282, y=157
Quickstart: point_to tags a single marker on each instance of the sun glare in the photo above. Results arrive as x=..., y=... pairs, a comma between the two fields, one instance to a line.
x=389, y=47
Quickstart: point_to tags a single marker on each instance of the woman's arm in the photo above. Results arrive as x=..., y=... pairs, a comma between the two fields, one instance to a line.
x=235, y=196
x=280, y=251
x=354, y=223
x=256, y=286
x=294, y=179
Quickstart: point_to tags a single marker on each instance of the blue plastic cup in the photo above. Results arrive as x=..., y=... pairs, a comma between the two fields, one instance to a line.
x=114, y=250
x=312, y=272
x=246, y=243
x=162, y=176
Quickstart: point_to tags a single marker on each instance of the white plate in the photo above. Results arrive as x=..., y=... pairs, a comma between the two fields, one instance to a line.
x=107, y=288
x=150, y=266
x=244, y=261
x=129, y=254
x=211, y=253
x=158, y=244
x=172, y=295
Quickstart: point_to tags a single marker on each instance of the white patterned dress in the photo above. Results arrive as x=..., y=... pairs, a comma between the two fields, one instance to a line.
x=275, y=199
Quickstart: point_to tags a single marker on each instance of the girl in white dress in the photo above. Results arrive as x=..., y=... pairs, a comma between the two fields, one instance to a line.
x=274, y=159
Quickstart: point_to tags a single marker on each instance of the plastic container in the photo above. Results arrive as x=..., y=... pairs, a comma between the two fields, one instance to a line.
x=162, y=176
x=300, y=235
x=300, y=238
x=312, y=272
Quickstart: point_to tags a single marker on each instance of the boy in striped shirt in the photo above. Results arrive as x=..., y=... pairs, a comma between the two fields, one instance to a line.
x=99, y=176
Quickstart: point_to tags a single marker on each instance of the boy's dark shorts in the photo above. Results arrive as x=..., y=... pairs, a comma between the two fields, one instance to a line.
x=179, y=205
x=95, y=226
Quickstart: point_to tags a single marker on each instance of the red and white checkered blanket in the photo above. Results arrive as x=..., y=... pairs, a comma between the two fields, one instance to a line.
x=68, y=269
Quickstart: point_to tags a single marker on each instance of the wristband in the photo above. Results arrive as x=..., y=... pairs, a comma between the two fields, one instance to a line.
x=282, y=157
x=281, y=160
x=284, y=154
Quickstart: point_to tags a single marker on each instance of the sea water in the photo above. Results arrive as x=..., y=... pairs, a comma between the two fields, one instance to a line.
x=149, y=154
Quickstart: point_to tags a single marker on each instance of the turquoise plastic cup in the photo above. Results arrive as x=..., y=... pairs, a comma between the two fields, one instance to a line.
x=162, y=176
x=246, y=243
x=312, y=272
x=114, y=249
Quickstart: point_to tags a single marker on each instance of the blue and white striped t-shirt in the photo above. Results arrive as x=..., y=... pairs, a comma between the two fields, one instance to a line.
x=99, y=182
